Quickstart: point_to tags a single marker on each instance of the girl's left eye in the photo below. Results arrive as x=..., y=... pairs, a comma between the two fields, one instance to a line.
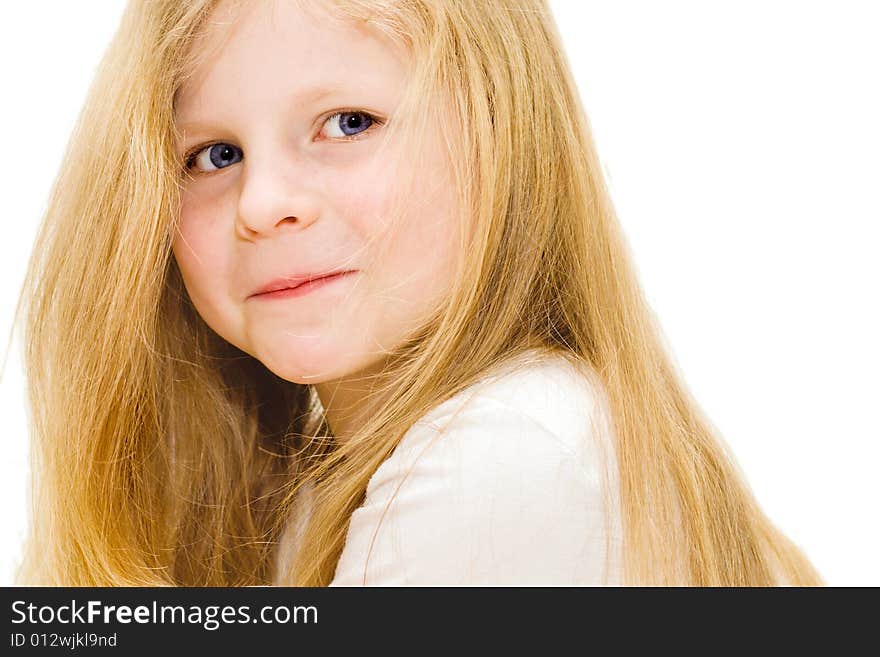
x=345, y=126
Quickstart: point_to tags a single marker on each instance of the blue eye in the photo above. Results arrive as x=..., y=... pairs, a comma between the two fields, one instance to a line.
x=218, y=155
x=348, y=124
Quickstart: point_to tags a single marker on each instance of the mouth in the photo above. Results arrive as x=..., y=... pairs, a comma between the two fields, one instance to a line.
x=282, y=290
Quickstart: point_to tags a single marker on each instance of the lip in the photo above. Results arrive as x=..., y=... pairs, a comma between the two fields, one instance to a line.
x=295, y=286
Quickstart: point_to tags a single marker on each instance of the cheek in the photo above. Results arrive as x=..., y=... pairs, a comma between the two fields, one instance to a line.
x=199, y=253
x=416, y=254
x=187, y=245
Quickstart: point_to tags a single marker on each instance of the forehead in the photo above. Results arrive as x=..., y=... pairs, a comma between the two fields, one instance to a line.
x=247, y=50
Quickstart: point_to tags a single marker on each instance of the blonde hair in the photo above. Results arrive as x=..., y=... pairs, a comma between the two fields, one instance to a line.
x=163, y=455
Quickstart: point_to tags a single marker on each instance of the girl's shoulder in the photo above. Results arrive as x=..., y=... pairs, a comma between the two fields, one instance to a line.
x=500, y=484
x=552, y=390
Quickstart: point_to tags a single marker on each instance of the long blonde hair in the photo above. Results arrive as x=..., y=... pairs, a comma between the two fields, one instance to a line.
x=162, y=455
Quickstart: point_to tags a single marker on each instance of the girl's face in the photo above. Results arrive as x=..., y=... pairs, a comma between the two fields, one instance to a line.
x=283, y=121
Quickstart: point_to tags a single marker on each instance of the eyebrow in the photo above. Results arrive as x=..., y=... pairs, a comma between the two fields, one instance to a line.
x=307, y=95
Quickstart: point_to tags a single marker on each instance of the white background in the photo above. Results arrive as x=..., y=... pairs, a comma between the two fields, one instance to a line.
x=741, y=143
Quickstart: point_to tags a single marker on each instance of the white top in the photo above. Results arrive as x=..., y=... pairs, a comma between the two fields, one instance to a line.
x=499, y=485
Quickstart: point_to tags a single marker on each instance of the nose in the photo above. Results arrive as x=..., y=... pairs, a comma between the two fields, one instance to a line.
x=275, y=197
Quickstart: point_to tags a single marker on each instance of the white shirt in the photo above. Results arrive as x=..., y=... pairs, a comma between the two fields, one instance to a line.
x=499, y=485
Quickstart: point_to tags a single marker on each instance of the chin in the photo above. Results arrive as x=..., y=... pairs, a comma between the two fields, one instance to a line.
x=307, y=363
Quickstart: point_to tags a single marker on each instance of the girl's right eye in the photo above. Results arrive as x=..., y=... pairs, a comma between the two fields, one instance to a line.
x=218, y=155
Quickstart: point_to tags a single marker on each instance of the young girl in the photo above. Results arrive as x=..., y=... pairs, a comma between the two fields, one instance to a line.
x=333, y=293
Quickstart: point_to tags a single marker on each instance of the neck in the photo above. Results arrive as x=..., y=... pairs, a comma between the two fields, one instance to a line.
x=349, y=402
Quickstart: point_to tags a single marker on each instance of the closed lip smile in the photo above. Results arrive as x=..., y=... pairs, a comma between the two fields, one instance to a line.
x=294, y=281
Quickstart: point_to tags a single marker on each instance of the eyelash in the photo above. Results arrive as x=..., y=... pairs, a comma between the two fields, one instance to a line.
x=190, y=157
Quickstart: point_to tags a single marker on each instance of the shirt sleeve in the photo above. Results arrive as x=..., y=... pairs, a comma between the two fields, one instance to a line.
x=492, y=498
